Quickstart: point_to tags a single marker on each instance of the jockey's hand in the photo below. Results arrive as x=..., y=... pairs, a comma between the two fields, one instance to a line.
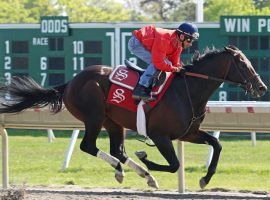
x=181, y=64
x=176, y=69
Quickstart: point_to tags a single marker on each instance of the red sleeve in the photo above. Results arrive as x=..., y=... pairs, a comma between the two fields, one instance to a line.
x=175, y=58
x=159, y=54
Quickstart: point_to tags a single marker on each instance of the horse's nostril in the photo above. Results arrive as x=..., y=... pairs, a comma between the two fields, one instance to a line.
x=263, y=88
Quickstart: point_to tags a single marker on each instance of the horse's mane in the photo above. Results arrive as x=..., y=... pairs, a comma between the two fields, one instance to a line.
x=206, y=54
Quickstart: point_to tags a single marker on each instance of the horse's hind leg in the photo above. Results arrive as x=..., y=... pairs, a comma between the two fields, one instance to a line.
x=202, y=137
x=92, y=110
x=117, y=149
x=88, y=145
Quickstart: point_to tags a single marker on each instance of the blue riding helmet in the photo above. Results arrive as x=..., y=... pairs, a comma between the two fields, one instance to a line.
x=189, y=29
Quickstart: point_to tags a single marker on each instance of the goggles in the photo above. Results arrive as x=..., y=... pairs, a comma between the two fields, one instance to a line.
x=189, y=40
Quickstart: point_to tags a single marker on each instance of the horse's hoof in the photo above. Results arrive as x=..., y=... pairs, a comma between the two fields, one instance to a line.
x=153, y=184
x=202, y=183
x=119, y=176
x=151, y=181
x=141, y=154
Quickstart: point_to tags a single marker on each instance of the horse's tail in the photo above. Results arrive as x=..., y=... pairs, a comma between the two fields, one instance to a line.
x=24, y=92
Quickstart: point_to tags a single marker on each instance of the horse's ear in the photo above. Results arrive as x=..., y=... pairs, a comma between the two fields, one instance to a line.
x=232, y=51
x=227, y=48
x=233, y=47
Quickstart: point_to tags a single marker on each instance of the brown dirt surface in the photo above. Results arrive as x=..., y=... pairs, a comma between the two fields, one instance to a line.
x=77, y=193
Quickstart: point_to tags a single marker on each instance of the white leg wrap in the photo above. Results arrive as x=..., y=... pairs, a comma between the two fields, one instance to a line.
x=108, y=158
x=139, y=169
x=151, y=181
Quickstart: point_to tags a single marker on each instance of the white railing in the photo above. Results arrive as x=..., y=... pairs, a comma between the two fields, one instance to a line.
x=231, y=116
x=222, y=116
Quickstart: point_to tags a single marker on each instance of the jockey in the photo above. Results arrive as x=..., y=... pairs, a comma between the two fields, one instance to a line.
x=160, y=49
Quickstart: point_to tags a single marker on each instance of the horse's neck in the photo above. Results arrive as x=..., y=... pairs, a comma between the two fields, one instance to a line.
x=200, y=90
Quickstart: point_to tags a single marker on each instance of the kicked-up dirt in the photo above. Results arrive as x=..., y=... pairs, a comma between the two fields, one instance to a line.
x=77, y=193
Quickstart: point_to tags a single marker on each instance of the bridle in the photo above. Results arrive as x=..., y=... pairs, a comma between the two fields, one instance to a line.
x=246, y=82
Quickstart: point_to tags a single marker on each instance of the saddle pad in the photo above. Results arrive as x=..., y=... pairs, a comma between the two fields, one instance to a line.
x=124, y=81
x=129, y=78
x=124, y=77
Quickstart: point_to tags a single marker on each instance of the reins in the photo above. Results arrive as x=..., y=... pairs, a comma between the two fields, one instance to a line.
x=246, y=83
x=194, y=118
x=212, y=78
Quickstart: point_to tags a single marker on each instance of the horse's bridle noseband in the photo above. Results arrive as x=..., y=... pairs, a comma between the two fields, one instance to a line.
x=246, y=82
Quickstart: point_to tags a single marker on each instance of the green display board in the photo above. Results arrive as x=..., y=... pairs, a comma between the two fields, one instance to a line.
x=54, y=50
x=52, y=53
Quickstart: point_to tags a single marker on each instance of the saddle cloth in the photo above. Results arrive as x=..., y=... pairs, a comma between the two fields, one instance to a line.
x=124, y=80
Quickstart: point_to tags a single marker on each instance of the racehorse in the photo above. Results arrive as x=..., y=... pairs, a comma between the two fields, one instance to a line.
x=183, y=104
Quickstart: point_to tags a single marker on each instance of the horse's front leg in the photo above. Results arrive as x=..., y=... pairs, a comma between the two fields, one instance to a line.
x=202, y=137
x=165, y=147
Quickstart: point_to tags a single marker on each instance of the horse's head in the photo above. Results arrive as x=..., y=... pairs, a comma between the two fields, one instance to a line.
x=241, y=71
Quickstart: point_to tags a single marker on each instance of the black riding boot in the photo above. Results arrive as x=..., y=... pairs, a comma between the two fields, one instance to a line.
x=141, y=92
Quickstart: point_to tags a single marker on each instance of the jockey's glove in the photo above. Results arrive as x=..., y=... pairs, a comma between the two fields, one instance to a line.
x=175, y=69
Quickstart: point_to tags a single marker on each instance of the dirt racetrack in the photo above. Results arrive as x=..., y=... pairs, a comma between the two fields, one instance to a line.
x=73, y=192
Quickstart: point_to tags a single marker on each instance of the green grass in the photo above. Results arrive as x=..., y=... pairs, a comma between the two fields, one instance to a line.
x=34, y=161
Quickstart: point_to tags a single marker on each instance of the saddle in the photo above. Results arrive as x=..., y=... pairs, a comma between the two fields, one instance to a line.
x=124, y=79
x=159, y=77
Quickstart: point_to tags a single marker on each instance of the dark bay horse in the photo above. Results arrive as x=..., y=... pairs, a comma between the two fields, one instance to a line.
x=183, y=105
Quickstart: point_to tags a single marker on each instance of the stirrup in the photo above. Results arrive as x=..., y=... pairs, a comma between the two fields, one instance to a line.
x=149, y=99
x=144, y=98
